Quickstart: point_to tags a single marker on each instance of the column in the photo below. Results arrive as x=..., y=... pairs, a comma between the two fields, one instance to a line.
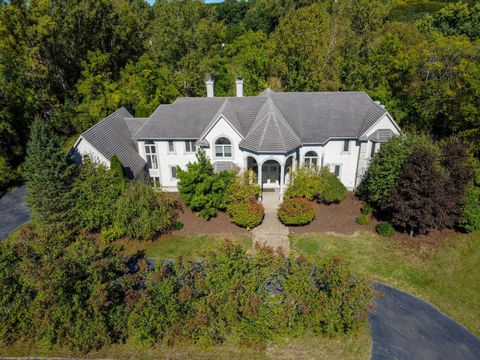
x=282, y=180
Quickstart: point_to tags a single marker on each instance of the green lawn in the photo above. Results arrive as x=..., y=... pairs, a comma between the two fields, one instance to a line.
x=171, y=247
x=447, y=275
x=355, y=346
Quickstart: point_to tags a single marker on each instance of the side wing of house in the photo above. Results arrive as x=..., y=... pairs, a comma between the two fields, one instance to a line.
x=371, y=140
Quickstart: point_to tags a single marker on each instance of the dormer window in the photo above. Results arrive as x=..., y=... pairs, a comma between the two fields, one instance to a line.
x=151, y=154
x=223, y=147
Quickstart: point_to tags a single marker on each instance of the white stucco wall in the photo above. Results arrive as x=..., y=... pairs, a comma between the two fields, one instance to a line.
x=223, y=129
x=333, y=154
x=82, y=147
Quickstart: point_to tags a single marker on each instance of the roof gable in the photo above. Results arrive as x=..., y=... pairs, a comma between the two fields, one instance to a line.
x=112, y=136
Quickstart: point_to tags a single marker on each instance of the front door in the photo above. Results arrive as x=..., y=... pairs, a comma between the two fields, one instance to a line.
x=271, y=173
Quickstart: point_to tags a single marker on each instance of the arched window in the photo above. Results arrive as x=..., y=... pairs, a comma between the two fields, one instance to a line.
x=223, y=147
x=311, y=159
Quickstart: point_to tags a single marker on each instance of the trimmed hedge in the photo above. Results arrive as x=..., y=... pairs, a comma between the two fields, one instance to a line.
x=296, y=211
x=245, y=214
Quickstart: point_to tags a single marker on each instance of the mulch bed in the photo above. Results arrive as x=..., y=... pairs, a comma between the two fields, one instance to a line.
x=336, y=218
x=340, y=219
x=197, y=225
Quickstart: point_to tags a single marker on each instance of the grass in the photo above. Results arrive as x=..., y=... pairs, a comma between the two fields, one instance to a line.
x=171, y=247
x=446, y=275
x=355, y=346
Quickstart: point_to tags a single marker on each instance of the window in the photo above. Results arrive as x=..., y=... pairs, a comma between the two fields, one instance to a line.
x=311, y=159
x=171, y=146
x=151, y=153
x=346, y=145
x=173, y=171
x=372, y=152
x=190, y=146
x=156, y=181
x=223, y=147
x=337, y=170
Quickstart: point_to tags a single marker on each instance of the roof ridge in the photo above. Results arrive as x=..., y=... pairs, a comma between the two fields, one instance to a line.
x=284, y=120
x=105, y=118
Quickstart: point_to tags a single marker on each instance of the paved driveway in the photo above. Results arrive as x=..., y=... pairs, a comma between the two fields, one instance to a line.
x=13, y=211
x=405, y=327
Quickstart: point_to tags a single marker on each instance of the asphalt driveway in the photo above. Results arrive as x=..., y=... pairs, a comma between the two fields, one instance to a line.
x=406, y=327
x=13, y=211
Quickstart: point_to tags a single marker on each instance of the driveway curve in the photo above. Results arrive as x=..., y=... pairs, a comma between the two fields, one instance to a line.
x=13, y=211
x=406, y=327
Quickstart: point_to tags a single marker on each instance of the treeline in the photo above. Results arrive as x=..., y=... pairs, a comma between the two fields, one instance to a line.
x=71, y=63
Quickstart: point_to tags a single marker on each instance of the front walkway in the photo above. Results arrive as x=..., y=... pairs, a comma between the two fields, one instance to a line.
x=406, y=327
x=272, y=232
x=13, y=211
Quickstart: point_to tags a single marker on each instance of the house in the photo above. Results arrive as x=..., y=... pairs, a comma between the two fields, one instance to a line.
x=272, y=134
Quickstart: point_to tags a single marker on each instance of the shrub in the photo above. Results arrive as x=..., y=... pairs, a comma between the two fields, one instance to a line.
x=142, y=212
x=251, y=299
x=305, y=183
x=246, y=214
x=471, y=206
x=117, y=169
x=95, y=191
x=334, y=190
x=385, y=169
x=362, y=219
x=243, y=188
x=366, y=209
x=201, y=189
x=385, y=229
x=296, y=211
x=58, y=292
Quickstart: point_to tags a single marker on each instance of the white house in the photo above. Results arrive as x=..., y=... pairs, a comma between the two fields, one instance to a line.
x=271, y=133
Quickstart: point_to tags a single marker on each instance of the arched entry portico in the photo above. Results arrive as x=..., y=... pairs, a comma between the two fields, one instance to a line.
x=271, y=174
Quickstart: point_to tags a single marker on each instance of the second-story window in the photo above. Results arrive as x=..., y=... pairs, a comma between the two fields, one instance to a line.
x=190, y=146
x=151, y=154
x=171, y=146
x=346, y=145
x=223, y=147
x=311, y=159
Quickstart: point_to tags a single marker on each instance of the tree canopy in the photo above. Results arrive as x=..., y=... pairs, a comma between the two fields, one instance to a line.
x=70, y=63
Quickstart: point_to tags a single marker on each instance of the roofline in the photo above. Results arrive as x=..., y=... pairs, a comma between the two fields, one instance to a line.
x=105, y=118
x=89, y=143
x=378, y=120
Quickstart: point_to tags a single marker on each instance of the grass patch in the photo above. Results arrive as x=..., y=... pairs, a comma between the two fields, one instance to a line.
x=171, y=247
x=446, y=275
x=355, y=346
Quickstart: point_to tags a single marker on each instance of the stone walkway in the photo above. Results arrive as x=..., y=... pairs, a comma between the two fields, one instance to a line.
x=272, y=232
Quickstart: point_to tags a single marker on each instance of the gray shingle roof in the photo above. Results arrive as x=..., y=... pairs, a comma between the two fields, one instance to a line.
x=113, y=136
x=270, y=132
x=317, y=116
x=299, y=118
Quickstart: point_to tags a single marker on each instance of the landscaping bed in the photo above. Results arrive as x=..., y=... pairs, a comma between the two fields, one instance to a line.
x=336, y=218
x=196, y=225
